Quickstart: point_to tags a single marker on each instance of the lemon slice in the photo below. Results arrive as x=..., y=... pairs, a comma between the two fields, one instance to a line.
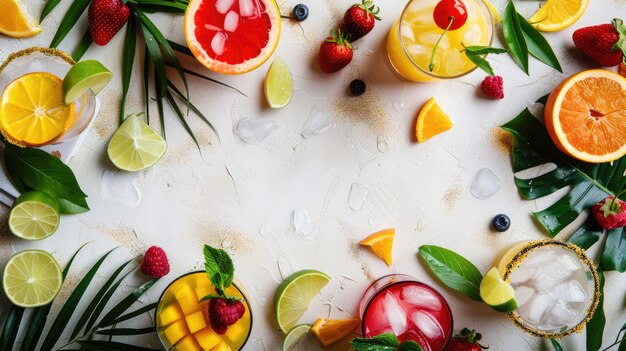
x=497, y=293
x=35, y=215
x=32, y=278
x=83, y=76
x=135, y=145
x=278, y=84
x=15, y=22
x=295, y=335
x=294, y=294
x=556, y=15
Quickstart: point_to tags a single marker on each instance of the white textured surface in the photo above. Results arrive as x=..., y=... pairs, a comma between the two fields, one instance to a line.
x=242, y=196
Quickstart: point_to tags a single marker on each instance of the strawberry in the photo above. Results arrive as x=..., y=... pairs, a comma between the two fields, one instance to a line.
x=605, y=43
x=466, y=341
x=610, y=213
x=223, y=313
x=106, y=18
x=155, y=263
x=360, y=19
x=335, y=52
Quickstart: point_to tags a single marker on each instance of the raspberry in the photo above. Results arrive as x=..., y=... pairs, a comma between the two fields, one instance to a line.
x=155, y=263
x=493, y=87
x=224, y=313
x=610, y=215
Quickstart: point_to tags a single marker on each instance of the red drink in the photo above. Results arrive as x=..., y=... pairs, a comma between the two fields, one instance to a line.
x=411, y=310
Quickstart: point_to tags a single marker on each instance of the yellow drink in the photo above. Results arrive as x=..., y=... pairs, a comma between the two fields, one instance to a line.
x=183, y=322
x=413, y=36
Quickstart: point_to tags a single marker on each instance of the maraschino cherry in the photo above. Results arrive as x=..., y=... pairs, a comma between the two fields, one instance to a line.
x=450, y=14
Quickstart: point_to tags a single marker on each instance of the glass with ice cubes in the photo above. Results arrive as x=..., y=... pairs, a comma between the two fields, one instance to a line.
x=556, y=287
x=409, y=309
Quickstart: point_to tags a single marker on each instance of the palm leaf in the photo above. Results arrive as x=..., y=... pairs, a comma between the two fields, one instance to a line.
x=11, y=327
x=82, y=47
x=130, y=41
x=135, y=313
x=126, y=331
x=146, y=83
x=69, y=20
x=157, y=60
x=109, y=318
x=595, y=327
x=47, y=8
x=194, y=109
x=589, y=183
x=103, y=302
x=159, y=100
x=97, y=345
x=188, y=71
x=181, y=117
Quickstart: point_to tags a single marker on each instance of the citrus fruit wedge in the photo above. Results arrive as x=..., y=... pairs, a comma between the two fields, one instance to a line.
x=329, y=331
x=32, y=278
x=295, y=335
x=381, y=244
x=556, y=15
x=497, y=293
x=15, y=22
x=431, y=120
x=135, y=145
x=232, y=36
x=294, y=294
x=586, y=116
x=32, y=111
x=83, y=76
x=34, y=215
x=278, y=84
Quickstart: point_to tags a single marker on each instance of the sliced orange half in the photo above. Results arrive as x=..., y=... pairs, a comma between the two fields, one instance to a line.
x=381, y=244
x=431, y=121
x=16, y=23
x=586, y=116
x=329, y=331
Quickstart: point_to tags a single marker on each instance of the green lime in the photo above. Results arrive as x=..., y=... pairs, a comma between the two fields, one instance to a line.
x=497, y=293
x=295, y=334
x=135, y=145
x=278, y=84
x=34, y=215
x=85, y=75
x=294, y=294
x=32, y=278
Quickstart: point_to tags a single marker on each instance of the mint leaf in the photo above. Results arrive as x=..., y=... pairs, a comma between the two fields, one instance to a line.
x=484, y=50
x=480, y=62
x=382, y=342
x=410, y=345
x=219, y=268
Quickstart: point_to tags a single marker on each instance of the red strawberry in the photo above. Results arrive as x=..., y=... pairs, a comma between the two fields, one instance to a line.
x=106, y=18
x=335, y=52
x=466, y=341
x=610, y=213
x=604, y=43
x=224, y=313
x=360, y=19
x=155, y=263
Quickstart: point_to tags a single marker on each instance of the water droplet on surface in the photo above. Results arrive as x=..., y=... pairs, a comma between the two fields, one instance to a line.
x=369, y=52
x=254, y=131
x=421, y=225
x=318, y=123
x=267, y=229
x=302, y=225
x=120, y=187
x=372, y=221
x=485, y=184
x=227, y=243
x=398, y=105
x=382, y=144
x=284, y=267
x=358, y=196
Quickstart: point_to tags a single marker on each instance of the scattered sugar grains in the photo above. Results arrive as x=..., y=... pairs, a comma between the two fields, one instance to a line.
x=451, y=196
x=502, y=140
x=367, y=109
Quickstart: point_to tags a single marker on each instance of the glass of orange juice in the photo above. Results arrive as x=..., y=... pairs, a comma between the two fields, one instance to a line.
x=183, y=321
x=414, y=36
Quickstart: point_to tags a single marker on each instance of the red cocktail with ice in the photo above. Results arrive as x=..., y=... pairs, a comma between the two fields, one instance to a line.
x=411, y=310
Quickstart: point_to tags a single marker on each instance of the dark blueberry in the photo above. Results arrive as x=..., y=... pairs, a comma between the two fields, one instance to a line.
x=300, y=12
x=357, y=87
x=501, y=223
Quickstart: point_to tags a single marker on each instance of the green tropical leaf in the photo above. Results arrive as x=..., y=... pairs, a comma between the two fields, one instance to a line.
x=587, y=235
x=47, y=8
x=514, y=36
x=181, y=117
x=11, y=327
x=480, y=62
x=104, y=301
x=109, y=318
x=130, y=42
x=595, y=327
x=195, y=74
x=146, y=83
x=69, y=20
x=454, y=270
x=180, y=48
x=194, y=109
x=157, y=61
x=135, y=313
x=613, y=256
x=557, y=346
x=159, y=101
x=538, y=46
x=161, y=6
x=126, y=331
x=97, y=345
x=82, y=46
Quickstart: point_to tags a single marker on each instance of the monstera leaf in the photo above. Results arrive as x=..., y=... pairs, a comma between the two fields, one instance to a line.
x=589, y=183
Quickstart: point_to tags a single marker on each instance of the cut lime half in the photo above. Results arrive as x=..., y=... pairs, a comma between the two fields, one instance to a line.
x=295, y=335
x=294, y=294
x=135, y=145
x=32, y=278
x=83, y=76
x=278, y=84
x=497, y=293
x=34, y=215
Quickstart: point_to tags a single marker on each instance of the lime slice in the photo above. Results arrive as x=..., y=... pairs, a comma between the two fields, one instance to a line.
x=85, y=75
x=294, y=294
x=278, y=84
x=135, y=145
x=497, y=293
x=295, y=334
x=34, y=215
x=32, y=278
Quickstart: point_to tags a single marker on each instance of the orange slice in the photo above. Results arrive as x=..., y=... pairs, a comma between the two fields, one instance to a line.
x=586, y=116
x=381, y=244
x=431, y=121
x=556, y=15
x=622, y=70
x=329, y=331
x=15, y=22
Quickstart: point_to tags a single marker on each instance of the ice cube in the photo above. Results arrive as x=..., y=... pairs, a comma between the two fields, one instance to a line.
x=522, y=275
x=538, y=258
x=254, y=131
x=416, y=296
x=231, y=21
x=247, y=7
x=485, y=184
x=568, y=262
x=319, y=122
x=358, y=196
x=218, y=43
x=571, y=291
x=427, y=324
x=396, y=317
x=523, y=294
x=223, y=6
x=560, y=315
x=418, y=50
x=539, y=306
x=472, y=35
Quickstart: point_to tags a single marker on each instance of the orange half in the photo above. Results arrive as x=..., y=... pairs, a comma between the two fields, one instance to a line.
x=381, y=244
x=329, y=331
x=431, y=120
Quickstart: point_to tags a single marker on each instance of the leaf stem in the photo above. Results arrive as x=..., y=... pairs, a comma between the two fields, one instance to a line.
x=431, y=63
x=617, y=342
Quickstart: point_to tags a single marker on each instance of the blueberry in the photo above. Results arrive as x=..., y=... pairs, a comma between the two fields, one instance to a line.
x=300, y=12
x=501, y=223
x=357, y=87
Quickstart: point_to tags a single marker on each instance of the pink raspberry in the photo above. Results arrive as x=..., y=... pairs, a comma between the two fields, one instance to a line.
x=155, y=263
x=224, y=313
x=493, y=87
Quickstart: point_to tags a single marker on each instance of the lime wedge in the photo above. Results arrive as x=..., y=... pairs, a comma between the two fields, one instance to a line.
x=497, y=293
x=32, y=278
x=135, y=145
x=278, y=84
x=294, y=294
x=295, y=334
x=85, y=75
x=34, y=215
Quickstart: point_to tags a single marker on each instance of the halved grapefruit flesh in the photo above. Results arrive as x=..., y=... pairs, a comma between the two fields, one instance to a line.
x=232, y=36
x=586, y=116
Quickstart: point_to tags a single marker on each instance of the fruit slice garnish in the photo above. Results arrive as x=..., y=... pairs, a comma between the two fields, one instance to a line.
x=381, y=244
x=32, y=111
x=556, y=15
x=294, y=294
x=15, y=22
x=586, y=116
x=278, y=84
x=295, y=335
x=431, y=121
x=497, y=293
x=622, y=70
x=34, y=215
x=232, y=36
x=135, y=145
x=83, y=76
x=329, y=331
x=32, y=278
